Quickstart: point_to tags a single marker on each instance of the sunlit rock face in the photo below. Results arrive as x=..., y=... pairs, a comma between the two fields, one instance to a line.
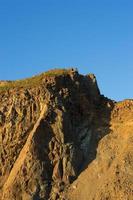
x=52, y=128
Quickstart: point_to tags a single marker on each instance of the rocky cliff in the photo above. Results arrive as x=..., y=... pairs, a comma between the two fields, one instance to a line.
x=61, y=139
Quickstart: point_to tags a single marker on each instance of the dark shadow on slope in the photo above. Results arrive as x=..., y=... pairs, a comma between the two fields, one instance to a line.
x=83, y=145
x=100, y=127
x=41, y=149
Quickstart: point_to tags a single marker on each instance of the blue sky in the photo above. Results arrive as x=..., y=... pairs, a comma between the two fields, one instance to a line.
x=96, y=36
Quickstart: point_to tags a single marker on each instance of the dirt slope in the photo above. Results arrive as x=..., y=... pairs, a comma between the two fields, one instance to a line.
x=110, y=175
x=61, y=139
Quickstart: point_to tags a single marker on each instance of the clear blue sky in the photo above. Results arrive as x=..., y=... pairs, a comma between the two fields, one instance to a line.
x=96, y=36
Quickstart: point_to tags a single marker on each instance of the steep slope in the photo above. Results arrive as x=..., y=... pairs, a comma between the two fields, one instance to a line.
x=8, y=189
x=110, y=175
x=61, y=139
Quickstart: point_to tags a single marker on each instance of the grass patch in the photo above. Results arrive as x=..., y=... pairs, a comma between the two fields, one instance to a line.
x=33, y=81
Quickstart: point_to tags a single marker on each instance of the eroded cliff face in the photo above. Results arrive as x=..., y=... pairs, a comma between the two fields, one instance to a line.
x=110, y=175
x=49, y=136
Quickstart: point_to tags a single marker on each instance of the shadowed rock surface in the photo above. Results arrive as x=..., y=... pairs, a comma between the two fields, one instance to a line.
x=61, y=139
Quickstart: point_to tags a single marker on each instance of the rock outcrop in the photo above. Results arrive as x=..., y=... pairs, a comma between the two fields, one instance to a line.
x=61, y=139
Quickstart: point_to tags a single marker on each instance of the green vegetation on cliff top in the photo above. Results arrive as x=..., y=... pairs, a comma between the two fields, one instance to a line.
x=33, y=81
